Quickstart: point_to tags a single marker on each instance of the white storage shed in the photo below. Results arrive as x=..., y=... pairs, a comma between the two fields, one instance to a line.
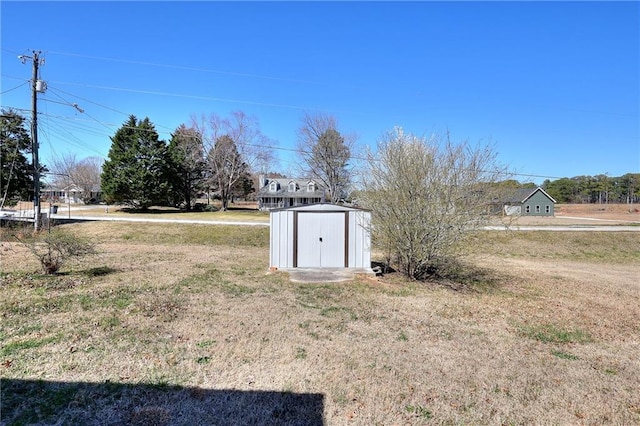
x=320, y=236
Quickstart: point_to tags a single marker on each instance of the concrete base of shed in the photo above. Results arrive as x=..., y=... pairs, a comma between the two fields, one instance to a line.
x=325, y=275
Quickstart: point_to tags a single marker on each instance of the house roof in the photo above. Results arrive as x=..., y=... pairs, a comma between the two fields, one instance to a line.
x=283, y=188
x=521, y=195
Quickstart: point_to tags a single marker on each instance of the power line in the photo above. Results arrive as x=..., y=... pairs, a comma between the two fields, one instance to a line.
x=90, y=101
x=17, y=87
x=284, y=149
x=185, y=68
x=199, y=97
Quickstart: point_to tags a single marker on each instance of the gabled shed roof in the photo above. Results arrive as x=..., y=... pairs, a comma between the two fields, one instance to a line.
x=521, y=195
x=321, y=207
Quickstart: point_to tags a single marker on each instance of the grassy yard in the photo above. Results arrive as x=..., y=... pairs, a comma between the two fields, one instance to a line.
x=183, y=324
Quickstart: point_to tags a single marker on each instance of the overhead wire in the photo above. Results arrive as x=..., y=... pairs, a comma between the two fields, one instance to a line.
x=110, y=126
x=185, y=68
x=198, y=97
x=17, y=87
x=272, y=147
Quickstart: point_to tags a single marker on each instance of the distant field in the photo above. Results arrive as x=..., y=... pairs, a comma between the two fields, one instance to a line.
x=183, y=324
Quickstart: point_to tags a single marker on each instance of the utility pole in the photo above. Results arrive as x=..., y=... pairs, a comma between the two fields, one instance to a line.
x=37, y=86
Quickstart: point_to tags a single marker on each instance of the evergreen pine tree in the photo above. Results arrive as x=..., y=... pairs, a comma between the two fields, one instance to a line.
x=16, y=172
x=137, y=171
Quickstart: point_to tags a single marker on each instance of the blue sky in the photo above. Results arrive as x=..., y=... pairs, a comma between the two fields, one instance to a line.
x=554, y=86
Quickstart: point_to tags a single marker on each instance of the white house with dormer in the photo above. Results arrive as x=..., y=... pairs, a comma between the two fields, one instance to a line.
x=277, y=193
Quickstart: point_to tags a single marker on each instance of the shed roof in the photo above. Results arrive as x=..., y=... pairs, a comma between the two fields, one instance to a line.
x=320, y=207
x=521, y=195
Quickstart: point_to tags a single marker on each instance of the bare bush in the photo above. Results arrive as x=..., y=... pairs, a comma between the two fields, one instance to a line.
x=425, y=194
x=54, y=249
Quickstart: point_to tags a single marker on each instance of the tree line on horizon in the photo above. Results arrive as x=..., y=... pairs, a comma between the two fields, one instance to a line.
x=222, y=155
x=599, y=189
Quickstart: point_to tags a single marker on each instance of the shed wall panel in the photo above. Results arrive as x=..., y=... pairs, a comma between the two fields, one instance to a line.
x=321, y=240
x=360, y=241
x=296, y=233
x=281, y=238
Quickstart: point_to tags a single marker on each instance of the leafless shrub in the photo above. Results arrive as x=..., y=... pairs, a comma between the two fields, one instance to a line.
x=425, y=195
x=55, y=248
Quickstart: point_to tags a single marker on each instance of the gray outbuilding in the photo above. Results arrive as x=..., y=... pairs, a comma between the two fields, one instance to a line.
x=320, y=236
x=529, y=202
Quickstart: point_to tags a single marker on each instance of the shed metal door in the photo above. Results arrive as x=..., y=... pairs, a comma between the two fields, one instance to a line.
x=321, y=240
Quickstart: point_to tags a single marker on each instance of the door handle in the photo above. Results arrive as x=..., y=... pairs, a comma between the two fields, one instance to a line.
x=320, y=239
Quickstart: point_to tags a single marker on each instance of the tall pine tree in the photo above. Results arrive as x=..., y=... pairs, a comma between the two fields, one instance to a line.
x=16, y=172
x=137, y=170
x=188, y=165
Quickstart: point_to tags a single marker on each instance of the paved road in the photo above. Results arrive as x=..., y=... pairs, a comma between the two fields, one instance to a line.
x=26, y=214
x=154, y=220
x=565, y=228
x=599, y=228
x=632, y=227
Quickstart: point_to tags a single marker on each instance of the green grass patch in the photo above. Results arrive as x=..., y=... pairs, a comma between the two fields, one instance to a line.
x=419, y=411
x=333, y=311
x=203, y=360
x=402, y=337
x=318, y=296
x=177, y=233
x=549, y=333
x=232, y=289
x=206, y=343
x=160, y=306
x=110, y=321
x=214, y=278
x=12, y=348
x=197, y=283
x=598, y=247
x=301, y=353
x=564, y=355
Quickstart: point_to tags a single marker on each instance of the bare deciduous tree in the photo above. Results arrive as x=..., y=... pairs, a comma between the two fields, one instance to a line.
x=425, y=195
x=235, y=146
x=325, y=153
x=85, y=174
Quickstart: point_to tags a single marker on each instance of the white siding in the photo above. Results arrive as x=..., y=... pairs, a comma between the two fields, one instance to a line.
x=320, y=221
x=321, y=240
x=281, y=247
x=359, y=239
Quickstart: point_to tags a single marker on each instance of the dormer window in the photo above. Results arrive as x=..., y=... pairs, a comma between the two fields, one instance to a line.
x=292, y=186
x=273, y=186
x=311, y=187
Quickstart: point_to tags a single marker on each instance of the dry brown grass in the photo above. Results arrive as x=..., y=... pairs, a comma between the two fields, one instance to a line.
x=542, y=329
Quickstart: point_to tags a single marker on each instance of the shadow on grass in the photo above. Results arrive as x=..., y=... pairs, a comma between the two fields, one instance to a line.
x=242, y=209
x=452, y=274
x=455, y=275
x=151, y=210
x=44, y=402
x=99, y=271
x=383, y=267
x=461, y=276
